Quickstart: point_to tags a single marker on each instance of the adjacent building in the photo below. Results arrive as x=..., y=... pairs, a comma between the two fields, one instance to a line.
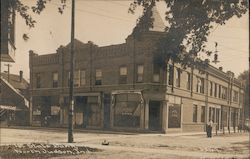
x=14, y=99
x=8, y=19
x=120, y=87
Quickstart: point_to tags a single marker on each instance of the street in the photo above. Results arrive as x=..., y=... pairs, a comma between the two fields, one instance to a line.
x=130, y=145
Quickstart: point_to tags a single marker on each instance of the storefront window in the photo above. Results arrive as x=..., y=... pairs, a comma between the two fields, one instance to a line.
x=203, y=110
x=127, y=110
x=174, y=116
x=194, y=113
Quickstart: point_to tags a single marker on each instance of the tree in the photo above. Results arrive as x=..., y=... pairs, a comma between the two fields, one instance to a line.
x=190, y=23
x=244, y=76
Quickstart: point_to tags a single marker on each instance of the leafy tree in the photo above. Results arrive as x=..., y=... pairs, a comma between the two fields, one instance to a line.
x=245, y=78
x=190, y=23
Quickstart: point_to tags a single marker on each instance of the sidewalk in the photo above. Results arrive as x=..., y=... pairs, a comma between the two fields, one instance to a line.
x=171, y=134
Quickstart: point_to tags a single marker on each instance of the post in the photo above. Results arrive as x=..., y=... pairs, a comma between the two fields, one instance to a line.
x=71, y=88
x=8, y=65
x=206, y=103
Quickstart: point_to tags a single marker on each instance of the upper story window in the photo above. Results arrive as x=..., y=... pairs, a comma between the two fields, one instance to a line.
x=170, y=74
x=200, y=85
x=178, y=77
x=68, y=78
x=82, y=77
x=215, y=90
x=156, y=73
x=235, y=96
x=123, y=75
x=219, y=93
x=77, y=78
x=140, y=71
x=211, y=89
x=38, y=80
x=55, y=79
x=188, y=81
x=98, y=77
x=224, y=92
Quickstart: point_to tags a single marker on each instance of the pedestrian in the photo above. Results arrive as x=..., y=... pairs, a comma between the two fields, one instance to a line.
x=210, y=128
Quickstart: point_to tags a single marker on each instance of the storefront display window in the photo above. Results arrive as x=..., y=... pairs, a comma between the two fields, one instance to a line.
x=174, y=116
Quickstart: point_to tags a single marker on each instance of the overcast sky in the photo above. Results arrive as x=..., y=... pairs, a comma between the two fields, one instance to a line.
x=108, y=22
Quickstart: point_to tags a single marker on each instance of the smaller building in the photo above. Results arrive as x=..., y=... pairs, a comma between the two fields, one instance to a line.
x=14, y=95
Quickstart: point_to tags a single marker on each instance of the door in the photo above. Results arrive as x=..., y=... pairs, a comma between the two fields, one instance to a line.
x=106, y=121
x=155, y=115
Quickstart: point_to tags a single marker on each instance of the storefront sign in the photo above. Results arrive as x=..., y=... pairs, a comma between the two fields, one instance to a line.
x=55, y=110
x=37, y=112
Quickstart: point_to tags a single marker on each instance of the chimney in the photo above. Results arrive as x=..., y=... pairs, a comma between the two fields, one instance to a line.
x=221, y=68
x=20, y=75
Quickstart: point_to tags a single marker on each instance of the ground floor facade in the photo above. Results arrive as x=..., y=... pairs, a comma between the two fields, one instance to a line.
x=133, y=111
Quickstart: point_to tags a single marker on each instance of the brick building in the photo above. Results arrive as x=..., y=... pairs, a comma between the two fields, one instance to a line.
x=120, y=87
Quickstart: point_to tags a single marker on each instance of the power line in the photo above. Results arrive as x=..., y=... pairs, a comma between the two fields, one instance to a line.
x=106, y=16
x=90, y=12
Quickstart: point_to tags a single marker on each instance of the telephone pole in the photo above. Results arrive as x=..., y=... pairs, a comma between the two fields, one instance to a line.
x=71, y=88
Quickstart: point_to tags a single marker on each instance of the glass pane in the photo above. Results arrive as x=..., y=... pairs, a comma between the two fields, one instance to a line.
x=140, y=69
x=123, y=71
x=98, y=73
x=55, y=76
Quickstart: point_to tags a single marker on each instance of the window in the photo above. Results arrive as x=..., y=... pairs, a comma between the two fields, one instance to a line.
x=174, y=116
x=127, y=110
x=82, y=77
x=219, y=91
x=200, y=85
x=156, y=73
x=178, y=78
x=235, y=96
x=140, y=70
x=98, y=77
x=38, y=80
x=123, y=75
x=224, y=93
x=188, y=81
x=77, y=78
x=211, y=114
x=203, y=114
x=211, y=89
x=194, y=113
x=170, y=74
x=215, y=90
x=55, y=80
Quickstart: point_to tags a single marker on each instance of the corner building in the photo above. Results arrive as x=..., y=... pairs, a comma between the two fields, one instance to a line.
x=118, y=87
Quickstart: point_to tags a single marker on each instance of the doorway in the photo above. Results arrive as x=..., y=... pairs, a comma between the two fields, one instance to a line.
x=155, y=115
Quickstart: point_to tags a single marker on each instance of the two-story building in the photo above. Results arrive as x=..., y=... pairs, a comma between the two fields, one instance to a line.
x=120, y=87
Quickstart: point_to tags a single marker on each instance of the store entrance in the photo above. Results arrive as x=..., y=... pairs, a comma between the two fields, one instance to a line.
x=155, y=115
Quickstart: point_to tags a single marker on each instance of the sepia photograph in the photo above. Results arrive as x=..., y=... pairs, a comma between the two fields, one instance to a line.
x=124, y=79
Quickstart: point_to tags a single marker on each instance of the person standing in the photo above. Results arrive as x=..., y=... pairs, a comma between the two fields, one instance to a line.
x=210, y=128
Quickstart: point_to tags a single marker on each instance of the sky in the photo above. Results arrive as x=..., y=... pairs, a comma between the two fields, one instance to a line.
x=107, y=23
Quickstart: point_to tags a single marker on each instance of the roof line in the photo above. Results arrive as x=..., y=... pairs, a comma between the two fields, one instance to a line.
x=26, y=102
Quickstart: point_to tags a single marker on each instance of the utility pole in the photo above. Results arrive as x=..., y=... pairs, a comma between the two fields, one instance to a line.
x=72, y=65
x=8, y=65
